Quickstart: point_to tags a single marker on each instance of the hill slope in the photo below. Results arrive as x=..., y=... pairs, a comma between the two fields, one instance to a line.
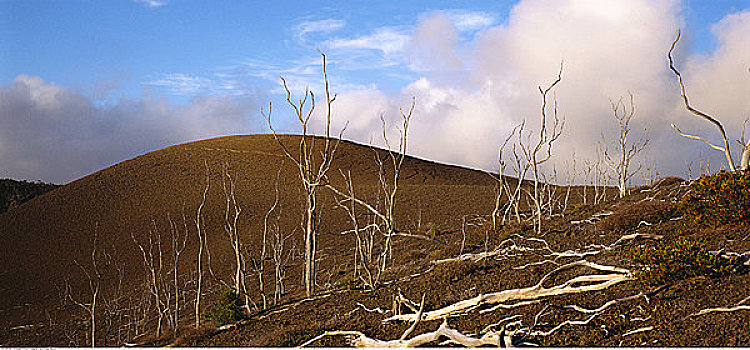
x=574, y=283
x=42, y=238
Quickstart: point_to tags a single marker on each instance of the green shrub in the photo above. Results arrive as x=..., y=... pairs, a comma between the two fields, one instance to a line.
x=678, y=260
x=350, y=283
x=719, y=199
x=226, y=310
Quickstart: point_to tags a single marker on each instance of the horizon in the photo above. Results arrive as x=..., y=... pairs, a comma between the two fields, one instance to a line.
x=85, y=85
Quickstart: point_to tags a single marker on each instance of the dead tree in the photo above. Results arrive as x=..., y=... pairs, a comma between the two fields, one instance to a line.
x=502, y=185
x=232, y=213
x=364, y=238
x=390, y=185
x=625, y=151
x=312, y=171
x=100, y=262
x=179, y=243
x=385, y=218
x=201, y=230
x=542, y=151
x=153, y=263
x=745, y=145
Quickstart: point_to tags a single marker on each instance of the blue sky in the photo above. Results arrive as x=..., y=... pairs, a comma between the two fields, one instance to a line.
x=161, y=65
x=181, y=48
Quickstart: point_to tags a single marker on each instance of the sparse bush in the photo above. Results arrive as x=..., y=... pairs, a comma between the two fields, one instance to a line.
x=433, y=230
x=630, y=216
x=226, y=310
x=14, y=193
x=678, y=260
x=350, y=283
x=719, y=199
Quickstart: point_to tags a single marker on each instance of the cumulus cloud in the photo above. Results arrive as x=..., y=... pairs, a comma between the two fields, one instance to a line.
x=53, y=133
x=472, y=92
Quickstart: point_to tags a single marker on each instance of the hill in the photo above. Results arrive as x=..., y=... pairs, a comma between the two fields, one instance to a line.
x=620, y=272
x=43, y=239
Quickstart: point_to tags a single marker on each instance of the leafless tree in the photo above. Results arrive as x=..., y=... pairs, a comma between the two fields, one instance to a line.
x=365, y=236
x=745, y=145
x=383, y=210
x=528, y=155
x=100, y=263
x=201, y=231
x=179, y=243
x=232, y=213
x=313, y=165
x=620, y=164
x=502, y=185
x=153, y=262
x=390, y=184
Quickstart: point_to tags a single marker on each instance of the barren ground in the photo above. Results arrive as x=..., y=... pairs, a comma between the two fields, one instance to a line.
x=41, y=239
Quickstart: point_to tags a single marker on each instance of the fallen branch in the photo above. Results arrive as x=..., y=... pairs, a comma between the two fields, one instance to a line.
x=639, y=330
x=592, y=283
x=737, y=307
x=360, y=340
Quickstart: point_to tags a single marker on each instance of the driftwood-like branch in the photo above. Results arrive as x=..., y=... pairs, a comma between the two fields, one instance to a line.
x=736, y=307
x=578, y=284
x=360, y=340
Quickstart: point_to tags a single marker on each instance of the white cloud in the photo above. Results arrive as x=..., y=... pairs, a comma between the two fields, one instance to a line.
x=320, y=26
x=181, y=84
x=151, y=3
x=466, y=20
x=473, y=92
x=53, y=133
x=387, y=40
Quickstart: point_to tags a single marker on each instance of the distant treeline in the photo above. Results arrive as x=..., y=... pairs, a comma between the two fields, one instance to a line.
x=14, y=192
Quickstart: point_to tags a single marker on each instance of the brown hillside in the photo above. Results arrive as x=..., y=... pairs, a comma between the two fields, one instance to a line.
x=42, y=238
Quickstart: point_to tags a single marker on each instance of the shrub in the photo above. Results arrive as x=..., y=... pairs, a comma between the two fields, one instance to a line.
x=350, y=283
x=719, y=199
x=678, y=260
x=630, y=216
x=226, y=310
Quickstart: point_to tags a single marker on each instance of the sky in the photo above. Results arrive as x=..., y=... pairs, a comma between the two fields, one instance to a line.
x=86, y=84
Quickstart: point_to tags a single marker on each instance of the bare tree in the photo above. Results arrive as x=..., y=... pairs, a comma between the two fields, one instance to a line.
x=533, y=154
x=502, y=186
x=312, y=171
x=153, y=262
x=179, y=243
x=201, y=230
x=385, y=218
x=625, y=151
x=390, y=184
x=232, y=213
x=100, y=262
x=745, y=145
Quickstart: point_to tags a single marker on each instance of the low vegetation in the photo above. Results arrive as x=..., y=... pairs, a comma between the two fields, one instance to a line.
x=14, y=193
x=718, y=200
x=227, y=309
x=683, y=258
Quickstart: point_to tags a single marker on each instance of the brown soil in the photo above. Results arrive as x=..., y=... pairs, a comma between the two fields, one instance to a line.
x=42, y=238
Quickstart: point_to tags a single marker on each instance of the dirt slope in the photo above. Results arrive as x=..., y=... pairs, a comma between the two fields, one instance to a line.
x=43, y=237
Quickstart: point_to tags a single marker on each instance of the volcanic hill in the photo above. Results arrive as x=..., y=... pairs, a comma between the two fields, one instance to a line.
x=575, y=283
